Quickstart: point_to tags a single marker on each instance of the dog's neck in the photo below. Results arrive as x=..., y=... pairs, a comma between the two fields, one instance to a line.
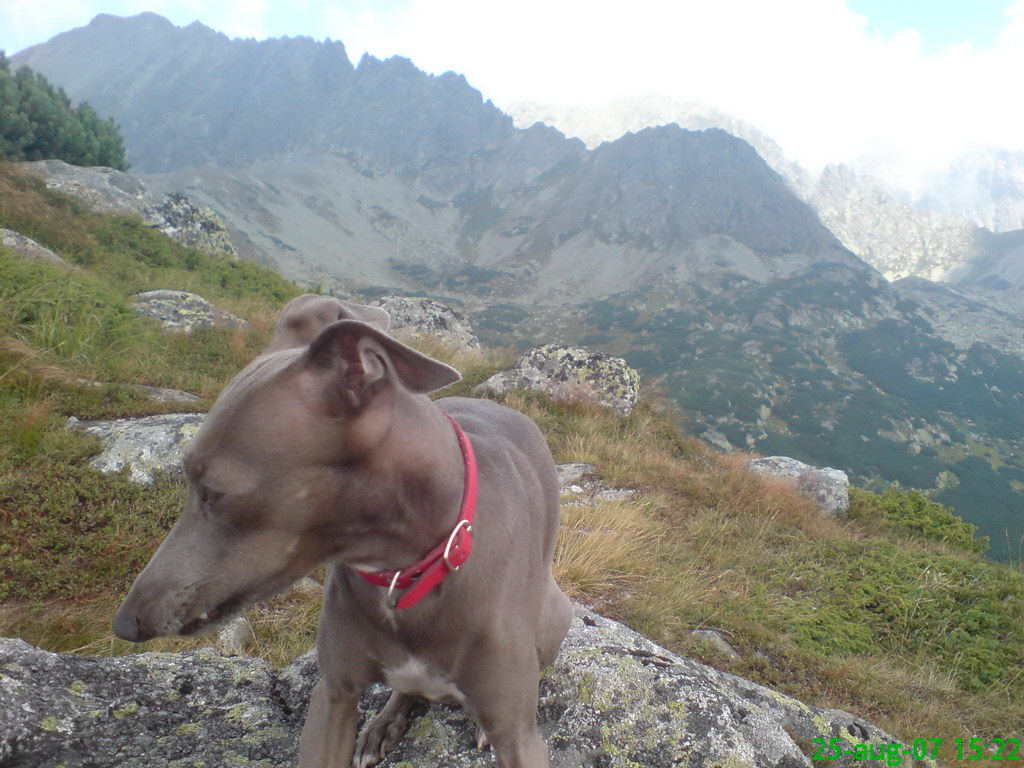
x=421, y=472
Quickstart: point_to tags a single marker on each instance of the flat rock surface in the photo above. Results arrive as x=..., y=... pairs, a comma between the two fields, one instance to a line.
x=146, y=447
x=182, y=311
x=27, y=247
x=612, y=700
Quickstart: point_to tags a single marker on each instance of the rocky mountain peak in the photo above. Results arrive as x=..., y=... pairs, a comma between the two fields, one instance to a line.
x=145, y=21
x=671, y=184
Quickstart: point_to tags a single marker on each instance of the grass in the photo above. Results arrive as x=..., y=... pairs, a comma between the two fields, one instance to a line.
x=893, y=614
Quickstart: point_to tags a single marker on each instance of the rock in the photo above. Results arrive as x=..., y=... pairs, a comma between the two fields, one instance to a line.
x=426, y=317
x=154, y=709
x=615, y=494
x=718, y=440
x=718, y=642
x=198, y=227
x=573, y=473
x=307, y=586
x=829, y=488
x=146, y=447
x=167, y=395
x=105, y=190
x=611, y=699
x=29, y=248
x=183, y=311
x=235, y=636
x=581, y=482
x=569, y=374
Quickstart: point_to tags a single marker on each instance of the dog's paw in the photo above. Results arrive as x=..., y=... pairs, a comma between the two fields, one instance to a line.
x=380, y=736
x=482, y=742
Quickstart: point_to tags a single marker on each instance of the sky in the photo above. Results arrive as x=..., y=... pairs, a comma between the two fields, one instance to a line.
x=897, y=87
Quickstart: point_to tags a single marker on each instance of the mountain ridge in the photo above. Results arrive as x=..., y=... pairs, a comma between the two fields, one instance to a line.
x=934, y=235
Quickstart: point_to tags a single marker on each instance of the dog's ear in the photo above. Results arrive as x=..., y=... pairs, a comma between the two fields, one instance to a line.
x=305, y=317
x=365, y=359
x=378, y=317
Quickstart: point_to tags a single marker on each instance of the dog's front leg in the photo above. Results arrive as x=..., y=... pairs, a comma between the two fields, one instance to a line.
x=329, y=735
x=501, y=693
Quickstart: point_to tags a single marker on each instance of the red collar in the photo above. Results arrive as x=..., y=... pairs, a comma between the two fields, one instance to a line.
x=447, y=557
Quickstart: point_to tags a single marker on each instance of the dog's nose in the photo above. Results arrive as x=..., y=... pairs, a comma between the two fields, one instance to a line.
x=126, y=626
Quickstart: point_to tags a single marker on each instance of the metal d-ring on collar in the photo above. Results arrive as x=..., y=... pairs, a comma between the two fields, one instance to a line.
x=451, y=540
x=392, y=601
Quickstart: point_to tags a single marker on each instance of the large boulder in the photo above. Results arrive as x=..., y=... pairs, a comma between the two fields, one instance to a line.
x=29, y=248
x=146, y=447
x=195, y=226
x=418, y=316
x=612, y=699
x=829, y=488
x=105, y=190
x=182, y=311
x=569, y=374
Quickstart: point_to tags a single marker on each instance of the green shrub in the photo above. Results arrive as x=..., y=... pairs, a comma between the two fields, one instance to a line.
x=914, y=513
x=962, y=615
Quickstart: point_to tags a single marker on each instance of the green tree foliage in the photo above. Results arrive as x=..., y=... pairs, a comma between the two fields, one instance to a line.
x=38, y=122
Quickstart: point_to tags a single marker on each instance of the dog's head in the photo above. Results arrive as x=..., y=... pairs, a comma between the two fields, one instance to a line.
x=283, y=475
x=303, y=318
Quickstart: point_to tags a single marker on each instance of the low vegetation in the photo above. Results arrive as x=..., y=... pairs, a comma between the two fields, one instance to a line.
x=894, y=614
x=885, y=403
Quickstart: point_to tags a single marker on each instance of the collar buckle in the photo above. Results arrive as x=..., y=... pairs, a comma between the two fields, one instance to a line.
x=462, y=524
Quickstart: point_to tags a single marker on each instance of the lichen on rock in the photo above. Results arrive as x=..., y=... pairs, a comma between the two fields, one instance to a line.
x=419, y=316
x=568, y=374
x=183, y=312
x=612, y=698
x=146, y=447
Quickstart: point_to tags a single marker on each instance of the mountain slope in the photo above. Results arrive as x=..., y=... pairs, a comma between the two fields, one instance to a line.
x=895, y=237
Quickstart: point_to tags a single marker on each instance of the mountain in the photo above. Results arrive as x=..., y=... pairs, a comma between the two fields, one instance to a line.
x=684, y=251
x=896, y=238
x=596, y=125
x=945, y=233
x=985, y=185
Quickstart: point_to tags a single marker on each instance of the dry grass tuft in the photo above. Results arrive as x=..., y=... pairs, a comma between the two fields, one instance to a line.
x=600, y=545
x=19, y=361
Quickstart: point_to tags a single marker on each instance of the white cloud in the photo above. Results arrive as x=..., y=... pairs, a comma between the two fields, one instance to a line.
x=805, y=71
x=26, y=22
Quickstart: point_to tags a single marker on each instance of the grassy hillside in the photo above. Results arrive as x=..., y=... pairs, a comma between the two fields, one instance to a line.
x=893, y=615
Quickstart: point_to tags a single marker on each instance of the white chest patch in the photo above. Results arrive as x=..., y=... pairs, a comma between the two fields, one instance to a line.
x=413, y=677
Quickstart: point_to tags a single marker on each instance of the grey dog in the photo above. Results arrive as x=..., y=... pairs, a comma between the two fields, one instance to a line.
x=325, y=449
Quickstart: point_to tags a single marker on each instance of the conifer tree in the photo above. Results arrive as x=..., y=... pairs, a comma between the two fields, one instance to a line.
x=38, y=122
x=15, y=128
